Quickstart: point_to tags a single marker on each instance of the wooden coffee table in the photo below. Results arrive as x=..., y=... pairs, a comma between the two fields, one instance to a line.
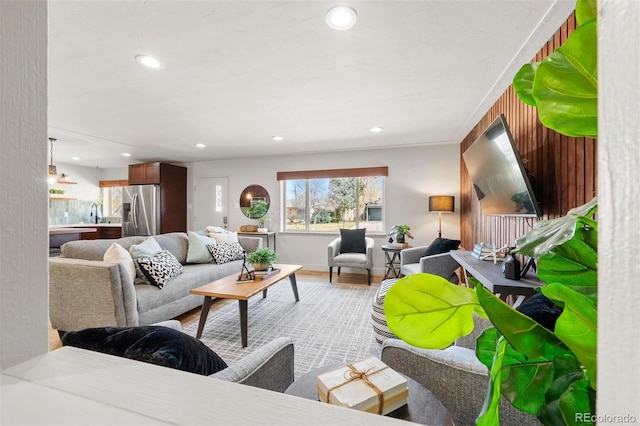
x=227, y=288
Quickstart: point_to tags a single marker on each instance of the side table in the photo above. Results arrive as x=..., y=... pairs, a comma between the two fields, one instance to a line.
x=392, y=260
x=422, y=406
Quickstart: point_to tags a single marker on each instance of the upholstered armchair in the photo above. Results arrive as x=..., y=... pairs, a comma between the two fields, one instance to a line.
x=454, y=375
x=433, y=259
x=339, y=258
x=268, y=367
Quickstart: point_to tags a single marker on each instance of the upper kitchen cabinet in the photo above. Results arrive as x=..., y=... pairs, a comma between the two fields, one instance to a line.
x=146, y=173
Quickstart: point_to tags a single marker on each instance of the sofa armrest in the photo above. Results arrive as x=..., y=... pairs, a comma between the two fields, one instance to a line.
x=250, y=244
x=268, y=367
x=90, y=293
x=333, y=249
x=455, y=376
x=411, y=255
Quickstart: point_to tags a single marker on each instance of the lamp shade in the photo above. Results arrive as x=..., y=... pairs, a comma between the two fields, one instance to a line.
x=441, y=203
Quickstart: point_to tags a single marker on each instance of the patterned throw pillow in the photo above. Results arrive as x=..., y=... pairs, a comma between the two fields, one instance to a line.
x=226, y=252
x=159, y=269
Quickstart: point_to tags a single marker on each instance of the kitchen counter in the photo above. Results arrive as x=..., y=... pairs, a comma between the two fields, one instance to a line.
x=87, y=225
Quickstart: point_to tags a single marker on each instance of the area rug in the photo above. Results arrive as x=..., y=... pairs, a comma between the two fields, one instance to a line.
x=331, y=324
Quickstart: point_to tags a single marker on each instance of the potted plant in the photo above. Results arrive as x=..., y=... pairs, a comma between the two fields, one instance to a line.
x=400, y=232
x=262, y=259
x=549, y=374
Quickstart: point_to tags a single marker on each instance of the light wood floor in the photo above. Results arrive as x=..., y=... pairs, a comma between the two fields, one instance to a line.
x=194, y=315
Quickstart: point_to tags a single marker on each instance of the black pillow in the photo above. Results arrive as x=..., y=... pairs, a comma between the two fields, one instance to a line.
x=442, y=245
x=153, y=344
x=352, y=241
x=542, y=310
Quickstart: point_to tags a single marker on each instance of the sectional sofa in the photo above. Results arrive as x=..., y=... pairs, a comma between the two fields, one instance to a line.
x=85, y=291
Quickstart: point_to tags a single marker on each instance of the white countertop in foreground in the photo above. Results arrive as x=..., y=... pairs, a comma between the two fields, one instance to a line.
x=76, y=386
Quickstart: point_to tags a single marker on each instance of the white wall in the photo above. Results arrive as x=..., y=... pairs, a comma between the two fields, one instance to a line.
x=619, y=204
x=87, y=179
x=24, y=309
x=414, y=174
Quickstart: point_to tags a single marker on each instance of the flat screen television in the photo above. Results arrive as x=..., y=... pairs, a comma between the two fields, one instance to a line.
x=498, y=174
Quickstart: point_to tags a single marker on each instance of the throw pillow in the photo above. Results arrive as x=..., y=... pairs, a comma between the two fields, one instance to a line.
x=442, y=245
x=159, y=269
x=118, y=254
x=226, y=252
x=153, y=344
x=352, y=241
x=147, y=248
x=197, y=251
x=224, y=237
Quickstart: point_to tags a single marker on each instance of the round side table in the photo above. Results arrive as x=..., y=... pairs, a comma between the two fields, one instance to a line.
x=422, y=406
x=392, y=260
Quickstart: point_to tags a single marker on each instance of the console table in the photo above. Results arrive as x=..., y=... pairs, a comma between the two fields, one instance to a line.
x=267, y=235
x=492, y=278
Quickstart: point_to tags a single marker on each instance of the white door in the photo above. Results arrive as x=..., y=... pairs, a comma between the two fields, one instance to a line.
x=211, y=202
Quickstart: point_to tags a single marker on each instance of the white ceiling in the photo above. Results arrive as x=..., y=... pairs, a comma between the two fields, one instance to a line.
x=236, y=73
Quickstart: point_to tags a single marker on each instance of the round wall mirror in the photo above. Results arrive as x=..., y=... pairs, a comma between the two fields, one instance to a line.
x=254, y=201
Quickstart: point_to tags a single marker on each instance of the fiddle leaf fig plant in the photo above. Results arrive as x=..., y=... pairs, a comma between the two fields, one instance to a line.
x=547, y=373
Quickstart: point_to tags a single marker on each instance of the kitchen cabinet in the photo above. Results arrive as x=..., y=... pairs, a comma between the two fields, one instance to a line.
x=172, y=180
x=145, y=174
x=102, y=233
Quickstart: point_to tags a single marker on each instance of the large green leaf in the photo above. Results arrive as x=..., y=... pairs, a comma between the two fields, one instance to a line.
x=566, y=395
x=551, y=233
x=524, y=380
x=490, y=414
x=586, y=10
x=577, y=326
x=565, y=86
x=522, y=332
x=523, y=83
x=428, y=311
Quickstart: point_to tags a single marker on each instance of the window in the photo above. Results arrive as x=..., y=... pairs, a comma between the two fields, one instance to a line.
x=112, y=197
x=328, y=200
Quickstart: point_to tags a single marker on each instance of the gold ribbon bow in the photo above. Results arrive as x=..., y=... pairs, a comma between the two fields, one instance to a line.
x=353, y=374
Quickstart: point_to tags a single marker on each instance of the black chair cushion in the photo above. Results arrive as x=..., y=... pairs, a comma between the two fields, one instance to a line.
x=153, y=344
x=352, y=241
x=442, y=245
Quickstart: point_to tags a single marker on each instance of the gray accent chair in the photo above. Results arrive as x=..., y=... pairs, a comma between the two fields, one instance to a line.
x=350, y=260
x=268, y=367
x=454, y=375
x=413, y=261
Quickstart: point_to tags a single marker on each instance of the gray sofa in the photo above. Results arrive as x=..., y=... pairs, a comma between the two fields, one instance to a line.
x=85, y=291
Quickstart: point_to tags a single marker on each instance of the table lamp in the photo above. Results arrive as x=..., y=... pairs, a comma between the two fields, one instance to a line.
x=441, y=204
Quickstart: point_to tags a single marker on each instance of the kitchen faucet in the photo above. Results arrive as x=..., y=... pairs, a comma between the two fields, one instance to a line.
x=91, y=212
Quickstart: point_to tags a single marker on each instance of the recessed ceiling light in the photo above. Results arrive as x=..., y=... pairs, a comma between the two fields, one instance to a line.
x=201, y=145
x=148, y=61
x=277, y=138
x=341, y=17
x=376, y=129
x=126, y=154
x=75, y=158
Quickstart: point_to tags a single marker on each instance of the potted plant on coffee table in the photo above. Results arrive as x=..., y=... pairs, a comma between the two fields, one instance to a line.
x=262, y=259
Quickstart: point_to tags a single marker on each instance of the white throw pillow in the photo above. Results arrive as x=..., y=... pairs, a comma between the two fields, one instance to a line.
x=118, y=254
x=197, y=251
x=224, y=237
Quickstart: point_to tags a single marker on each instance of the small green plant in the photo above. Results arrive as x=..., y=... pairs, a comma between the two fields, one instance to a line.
x=262, y=256
x=400, y=232
x=56, y=191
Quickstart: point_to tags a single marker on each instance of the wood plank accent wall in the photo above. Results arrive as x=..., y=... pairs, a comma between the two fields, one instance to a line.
x=563, y=168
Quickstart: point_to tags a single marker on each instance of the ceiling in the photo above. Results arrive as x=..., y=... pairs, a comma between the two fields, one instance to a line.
x=237, y=73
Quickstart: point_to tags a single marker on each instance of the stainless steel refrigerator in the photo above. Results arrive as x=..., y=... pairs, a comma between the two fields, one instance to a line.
x=141, y=210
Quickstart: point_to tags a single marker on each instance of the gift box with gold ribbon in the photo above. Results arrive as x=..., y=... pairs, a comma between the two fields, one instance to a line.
x=367, y=385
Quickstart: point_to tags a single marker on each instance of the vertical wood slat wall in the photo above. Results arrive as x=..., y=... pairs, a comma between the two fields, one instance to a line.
x=563, y=168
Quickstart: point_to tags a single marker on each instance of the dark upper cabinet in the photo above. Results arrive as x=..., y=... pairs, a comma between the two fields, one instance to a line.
x=144, y=174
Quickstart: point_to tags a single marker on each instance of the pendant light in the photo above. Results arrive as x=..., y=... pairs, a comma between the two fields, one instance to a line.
x=53, y=174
